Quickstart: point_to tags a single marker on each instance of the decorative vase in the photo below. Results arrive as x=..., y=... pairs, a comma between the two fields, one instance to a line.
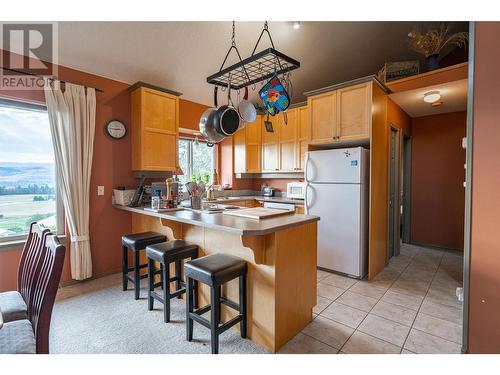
x=433, y=62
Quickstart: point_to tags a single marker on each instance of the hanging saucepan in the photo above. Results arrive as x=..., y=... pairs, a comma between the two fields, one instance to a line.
x=246, y=109
x=227, y=119
x=207, y=124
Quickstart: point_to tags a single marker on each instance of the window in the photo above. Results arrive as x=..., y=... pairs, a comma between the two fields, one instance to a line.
x=196, y=160
x=27, y=171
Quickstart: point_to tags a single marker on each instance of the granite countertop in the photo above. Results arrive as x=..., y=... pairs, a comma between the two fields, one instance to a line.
x=259, y=198
x=226, y=223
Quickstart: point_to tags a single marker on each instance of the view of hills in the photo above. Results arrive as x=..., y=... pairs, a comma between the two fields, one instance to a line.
x=24, y=174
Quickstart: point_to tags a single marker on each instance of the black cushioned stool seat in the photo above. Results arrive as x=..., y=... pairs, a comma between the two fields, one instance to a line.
x=136, y=242
x=165, y=253
x=215, y=270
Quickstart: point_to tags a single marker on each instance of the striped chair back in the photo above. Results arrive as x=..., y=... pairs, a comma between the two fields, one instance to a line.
x=30, y=258
x=48, y=275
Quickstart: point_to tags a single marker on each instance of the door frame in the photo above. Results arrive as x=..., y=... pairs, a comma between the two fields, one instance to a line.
x=396, y=204
x=406, y=167
x=468, y=189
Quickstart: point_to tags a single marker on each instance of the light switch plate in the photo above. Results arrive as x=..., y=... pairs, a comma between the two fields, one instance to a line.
x=100, y=190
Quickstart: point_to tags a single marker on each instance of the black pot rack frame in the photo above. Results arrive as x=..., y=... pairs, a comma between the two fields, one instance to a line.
x=256, y=68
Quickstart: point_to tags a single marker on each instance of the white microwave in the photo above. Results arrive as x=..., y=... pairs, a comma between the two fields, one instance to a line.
x=296, y=190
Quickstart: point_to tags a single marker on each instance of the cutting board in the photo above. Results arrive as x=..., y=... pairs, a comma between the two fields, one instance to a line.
x=257, y=213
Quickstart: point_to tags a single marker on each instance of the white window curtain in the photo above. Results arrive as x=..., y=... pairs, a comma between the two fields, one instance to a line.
x=72, y=124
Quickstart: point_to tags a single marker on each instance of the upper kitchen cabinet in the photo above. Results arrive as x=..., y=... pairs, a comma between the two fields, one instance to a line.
x=270, y=146
x=155, y=129
x=247, y=148
x=322, y=117
x=354, y=112
x=288, y=141
x=341, y=113
x=302, y=136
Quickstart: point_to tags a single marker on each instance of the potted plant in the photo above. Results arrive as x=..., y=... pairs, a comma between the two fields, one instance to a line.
x=433, y=41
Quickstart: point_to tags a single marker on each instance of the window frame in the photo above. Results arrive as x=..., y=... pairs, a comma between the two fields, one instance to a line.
x=191, y=141
x=60, y=213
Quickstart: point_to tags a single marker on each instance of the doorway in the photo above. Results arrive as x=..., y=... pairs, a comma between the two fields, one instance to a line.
x=394, y=193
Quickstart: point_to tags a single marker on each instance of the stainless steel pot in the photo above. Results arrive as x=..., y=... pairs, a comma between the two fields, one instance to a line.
x=227, y=117
x=207, y=125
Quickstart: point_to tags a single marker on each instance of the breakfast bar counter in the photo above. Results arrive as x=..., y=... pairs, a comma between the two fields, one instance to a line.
x=281, y=253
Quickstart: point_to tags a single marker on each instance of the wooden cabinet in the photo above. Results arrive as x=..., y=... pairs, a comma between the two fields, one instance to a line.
x=354, y=112
x=155, y=124
x=302, y=137
x=255, y=150
x=270, y=149
x=341, y=115
x=288, y=141
x=322, y=117
x=247, y=148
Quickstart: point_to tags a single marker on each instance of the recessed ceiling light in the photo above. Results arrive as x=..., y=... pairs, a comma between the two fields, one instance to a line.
x=432, y=96
x=296, y=25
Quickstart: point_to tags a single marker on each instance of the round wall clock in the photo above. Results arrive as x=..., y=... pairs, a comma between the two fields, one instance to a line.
x=115, y=129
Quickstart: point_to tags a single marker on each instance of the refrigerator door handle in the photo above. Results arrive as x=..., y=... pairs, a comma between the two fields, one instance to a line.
x=306, y=169
x=306, y=199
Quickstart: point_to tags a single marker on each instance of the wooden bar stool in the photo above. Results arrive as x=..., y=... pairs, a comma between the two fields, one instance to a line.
x=165, y=253
x=137, y=242
x=215, y=270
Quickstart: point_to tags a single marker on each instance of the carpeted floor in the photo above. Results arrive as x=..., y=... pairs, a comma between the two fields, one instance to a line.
x=97, y=317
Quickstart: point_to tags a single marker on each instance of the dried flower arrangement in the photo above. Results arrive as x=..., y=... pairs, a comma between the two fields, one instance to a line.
x=433, y=41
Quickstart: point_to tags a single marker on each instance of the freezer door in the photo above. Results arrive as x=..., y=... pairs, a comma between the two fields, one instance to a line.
x=334, y=166
x=339, y=228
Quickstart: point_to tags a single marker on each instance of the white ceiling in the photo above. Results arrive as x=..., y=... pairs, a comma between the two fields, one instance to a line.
x=180, y=55
x=453, y=97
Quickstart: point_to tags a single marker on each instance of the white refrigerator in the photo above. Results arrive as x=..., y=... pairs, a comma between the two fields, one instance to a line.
x=337, y=183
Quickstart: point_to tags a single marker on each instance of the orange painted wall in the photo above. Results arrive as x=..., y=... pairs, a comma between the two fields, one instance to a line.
x=189, y=114
x=111, y=167
x=437, y=193
x=484, y=318
x=397, y=117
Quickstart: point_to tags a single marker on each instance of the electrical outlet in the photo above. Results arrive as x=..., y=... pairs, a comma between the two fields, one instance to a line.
x=100, y=190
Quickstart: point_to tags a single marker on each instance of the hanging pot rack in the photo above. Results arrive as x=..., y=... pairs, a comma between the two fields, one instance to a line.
x=256, y=68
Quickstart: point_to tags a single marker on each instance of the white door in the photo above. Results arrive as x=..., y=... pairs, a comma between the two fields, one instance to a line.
x=341, y=165
x=338, y=206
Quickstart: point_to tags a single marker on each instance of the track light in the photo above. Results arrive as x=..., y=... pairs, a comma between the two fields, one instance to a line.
x=296, y=25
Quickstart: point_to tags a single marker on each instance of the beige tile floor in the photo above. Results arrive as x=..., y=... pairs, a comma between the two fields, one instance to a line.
x=410, y=307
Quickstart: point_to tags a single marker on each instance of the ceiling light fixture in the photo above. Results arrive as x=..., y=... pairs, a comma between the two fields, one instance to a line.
x=432, y=96
x=296, y=25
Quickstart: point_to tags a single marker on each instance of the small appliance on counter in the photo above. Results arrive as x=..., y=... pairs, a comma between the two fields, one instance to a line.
x=296, y=190
x=267, y=191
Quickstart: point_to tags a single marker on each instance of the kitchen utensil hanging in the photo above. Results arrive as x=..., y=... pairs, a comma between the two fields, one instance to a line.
x=256, y=68
x=210, y=121
x=246, y=110
x=227, y=118
x=207, y=124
